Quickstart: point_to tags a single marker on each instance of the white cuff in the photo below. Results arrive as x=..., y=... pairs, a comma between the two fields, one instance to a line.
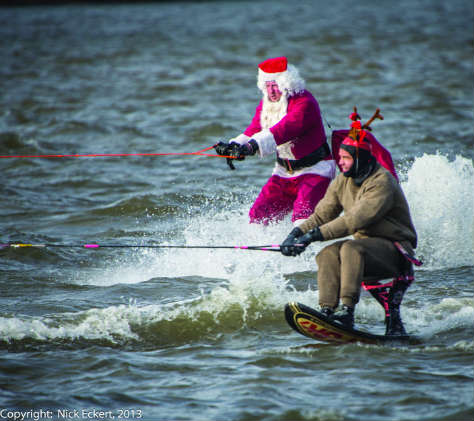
x=240, y=139
x=266, y=142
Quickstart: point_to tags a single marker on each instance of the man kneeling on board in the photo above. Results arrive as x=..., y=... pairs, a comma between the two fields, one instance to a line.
x=374, y=211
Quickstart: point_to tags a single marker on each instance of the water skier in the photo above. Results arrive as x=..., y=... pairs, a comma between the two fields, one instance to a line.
x=365, y=201
x=287, y=121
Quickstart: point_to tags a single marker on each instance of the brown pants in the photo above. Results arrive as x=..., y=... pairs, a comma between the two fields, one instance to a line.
x=342, y=266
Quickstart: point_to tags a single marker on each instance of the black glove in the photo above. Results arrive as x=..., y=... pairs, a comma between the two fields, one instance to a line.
x=221, y=148
x=249, y=148
x=238, y=152
x=226, y=149
x=296, y=242
x=288, y=247
x=310, y=236
x=241, y=151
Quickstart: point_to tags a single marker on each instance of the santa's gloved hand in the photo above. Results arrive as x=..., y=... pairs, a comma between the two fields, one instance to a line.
x=249, y=148
x=241, y=151
x=221, y=148
x=235, y=151
x=226, y=149
x=289, y=247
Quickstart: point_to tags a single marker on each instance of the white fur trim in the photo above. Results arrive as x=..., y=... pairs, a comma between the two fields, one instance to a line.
x=290, y=82
x=284, y=150
x=266, y=142
x=240, y=139
x=322, y=168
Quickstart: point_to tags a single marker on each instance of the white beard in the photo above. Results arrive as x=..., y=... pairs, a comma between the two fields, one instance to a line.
x=273, y=112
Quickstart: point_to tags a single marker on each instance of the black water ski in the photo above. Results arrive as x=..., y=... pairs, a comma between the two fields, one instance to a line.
x=311, y=323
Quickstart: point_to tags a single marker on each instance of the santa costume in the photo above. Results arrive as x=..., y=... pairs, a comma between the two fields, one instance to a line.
x=293, y=129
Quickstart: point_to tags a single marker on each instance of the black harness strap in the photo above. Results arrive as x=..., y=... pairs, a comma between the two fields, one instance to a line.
x=307, y=161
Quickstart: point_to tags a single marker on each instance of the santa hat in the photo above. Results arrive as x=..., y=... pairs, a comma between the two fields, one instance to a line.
x=285, y=75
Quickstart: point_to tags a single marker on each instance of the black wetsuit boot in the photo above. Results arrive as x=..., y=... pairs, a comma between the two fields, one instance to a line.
x=344, y=316
x=393, y=321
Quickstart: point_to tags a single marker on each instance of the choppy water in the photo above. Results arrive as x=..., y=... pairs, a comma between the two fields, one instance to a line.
x=200, y=334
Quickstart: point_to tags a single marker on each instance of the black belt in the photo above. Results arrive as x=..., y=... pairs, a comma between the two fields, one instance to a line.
x=309, y=160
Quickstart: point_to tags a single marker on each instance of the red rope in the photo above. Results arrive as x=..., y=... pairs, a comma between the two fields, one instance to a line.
x=119, y=155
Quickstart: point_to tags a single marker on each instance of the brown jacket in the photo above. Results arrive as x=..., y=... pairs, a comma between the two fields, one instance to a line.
x=377, y=208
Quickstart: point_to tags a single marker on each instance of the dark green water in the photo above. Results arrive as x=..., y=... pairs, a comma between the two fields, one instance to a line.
x=183, y=334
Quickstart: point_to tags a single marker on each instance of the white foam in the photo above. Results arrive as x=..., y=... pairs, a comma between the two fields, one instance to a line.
x=448, y=314
x=222, y=228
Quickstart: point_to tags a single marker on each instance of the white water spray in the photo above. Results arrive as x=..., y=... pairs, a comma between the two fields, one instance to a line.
x=441, y=197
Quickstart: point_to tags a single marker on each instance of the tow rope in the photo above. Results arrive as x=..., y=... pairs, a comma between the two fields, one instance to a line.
x=269, y=247
x=115, y=155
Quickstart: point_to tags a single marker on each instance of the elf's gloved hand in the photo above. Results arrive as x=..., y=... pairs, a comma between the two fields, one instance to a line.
x=310, y=236
x=296, y=242
x=288, y=247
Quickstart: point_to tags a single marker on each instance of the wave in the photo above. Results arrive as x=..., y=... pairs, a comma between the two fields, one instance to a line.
x=238, y=289
x=227, y=307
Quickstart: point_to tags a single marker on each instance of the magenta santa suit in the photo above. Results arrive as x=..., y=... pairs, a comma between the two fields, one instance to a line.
x=293, y=129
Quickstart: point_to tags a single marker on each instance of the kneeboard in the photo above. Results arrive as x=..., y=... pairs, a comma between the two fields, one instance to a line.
x=311, y=323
